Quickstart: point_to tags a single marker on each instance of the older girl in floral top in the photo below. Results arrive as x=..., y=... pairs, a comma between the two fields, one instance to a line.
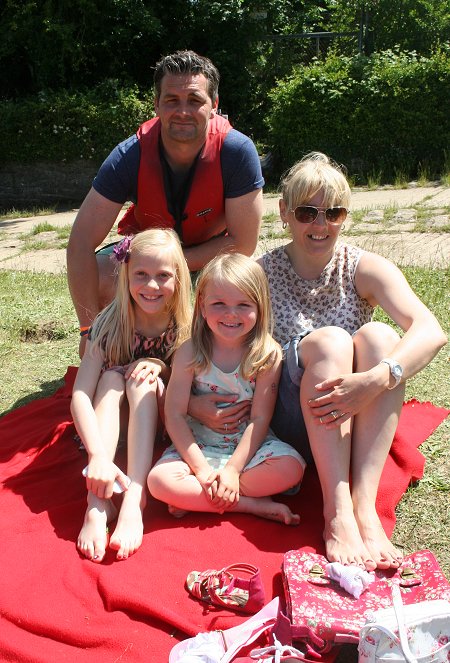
x=127, y=359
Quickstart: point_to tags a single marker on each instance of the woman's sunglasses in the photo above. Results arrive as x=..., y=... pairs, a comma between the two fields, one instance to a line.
x=308, y=214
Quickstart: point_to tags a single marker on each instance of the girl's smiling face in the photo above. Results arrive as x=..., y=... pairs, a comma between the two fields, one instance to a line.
x=152, y=280
x=229, y=313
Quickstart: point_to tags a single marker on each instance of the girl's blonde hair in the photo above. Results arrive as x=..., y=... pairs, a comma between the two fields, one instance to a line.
x=113, y=329
x=249, y=277
x=313, y=173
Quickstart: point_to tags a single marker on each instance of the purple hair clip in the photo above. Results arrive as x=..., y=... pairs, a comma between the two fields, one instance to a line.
x=122, y=249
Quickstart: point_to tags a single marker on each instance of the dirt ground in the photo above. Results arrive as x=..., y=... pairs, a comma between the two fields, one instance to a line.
x=385, y=221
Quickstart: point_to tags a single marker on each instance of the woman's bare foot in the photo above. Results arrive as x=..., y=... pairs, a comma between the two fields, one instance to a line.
x=265, y=507
x=343, y=542
x=129, y=531
x=382, y=551
x=93, y=536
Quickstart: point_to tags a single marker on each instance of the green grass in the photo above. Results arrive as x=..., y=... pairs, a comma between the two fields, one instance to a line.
x=14, y=213
x=38, y=335
x=39, y=339
x=62, y=232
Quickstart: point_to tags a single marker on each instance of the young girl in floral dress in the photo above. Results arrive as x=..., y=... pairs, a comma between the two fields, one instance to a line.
x=231, y=351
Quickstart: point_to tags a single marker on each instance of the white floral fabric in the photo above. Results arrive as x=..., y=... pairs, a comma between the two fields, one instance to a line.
x=219, y=447
x=300, y=305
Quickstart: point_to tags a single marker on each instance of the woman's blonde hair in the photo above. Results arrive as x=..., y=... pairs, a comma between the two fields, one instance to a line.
x=249, y=277
x=114, y=327
x=313, y=173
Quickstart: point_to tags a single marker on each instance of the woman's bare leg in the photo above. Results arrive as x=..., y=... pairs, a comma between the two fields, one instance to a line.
x=143, y=420
x=373, y=431
x=325, y=353
x=92, y=539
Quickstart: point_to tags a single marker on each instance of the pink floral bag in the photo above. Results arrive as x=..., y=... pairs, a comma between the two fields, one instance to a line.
x=322, y=614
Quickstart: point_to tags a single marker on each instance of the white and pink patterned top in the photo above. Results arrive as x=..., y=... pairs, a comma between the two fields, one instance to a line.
x=332, y=299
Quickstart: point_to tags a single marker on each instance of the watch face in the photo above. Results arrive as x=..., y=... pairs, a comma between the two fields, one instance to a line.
x=397, y=370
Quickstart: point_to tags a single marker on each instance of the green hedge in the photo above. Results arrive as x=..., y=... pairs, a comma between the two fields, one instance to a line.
x=386, y=114
x=58, y=126
x=382, y=115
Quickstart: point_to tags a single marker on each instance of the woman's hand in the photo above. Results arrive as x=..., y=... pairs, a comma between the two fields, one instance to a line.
x=144, y=369
x=346, y=396
x=227, y=419
x=227, y=493
x=101, y=474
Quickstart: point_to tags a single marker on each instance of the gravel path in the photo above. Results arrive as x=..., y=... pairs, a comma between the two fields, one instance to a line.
x=385, y=220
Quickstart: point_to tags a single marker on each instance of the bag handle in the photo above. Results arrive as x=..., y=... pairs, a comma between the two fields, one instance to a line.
x=398, y=609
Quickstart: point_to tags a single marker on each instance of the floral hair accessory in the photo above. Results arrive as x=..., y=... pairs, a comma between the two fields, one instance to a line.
x=122, y=249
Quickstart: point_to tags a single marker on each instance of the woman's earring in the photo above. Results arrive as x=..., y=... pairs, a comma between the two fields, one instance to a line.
x=284, y=225
x=343, y=227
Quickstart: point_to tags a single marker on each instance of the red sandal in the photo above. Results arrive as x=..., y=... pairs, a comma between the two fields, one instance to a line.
x=227, y=590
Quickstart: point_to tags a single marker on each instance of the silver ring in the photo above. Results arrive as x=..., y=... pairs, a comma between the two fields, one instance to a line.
x=335, y=414
x=321, y=420
x=226, y=426
x=239, y=421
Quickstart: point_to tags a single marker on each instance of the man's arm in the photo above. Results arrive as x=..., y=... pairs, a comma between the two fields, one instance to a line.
x=94, y=220
x=243, y=216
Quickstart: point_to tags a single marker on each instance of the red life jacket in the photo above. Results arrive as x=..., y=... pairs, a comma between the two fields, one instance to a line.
x=203, y=216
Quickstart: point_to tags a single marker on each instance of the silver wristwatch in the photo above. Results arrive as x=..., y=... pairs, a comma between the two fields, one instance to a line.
x=396, y=371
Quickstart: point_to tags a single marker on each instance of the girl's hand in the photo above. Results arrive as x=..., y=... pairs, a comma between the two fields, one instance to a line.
x=227, y=493
x=100, y=477
x=347, y=395
x=144, y=369
x=220, y=419
x=207, y=478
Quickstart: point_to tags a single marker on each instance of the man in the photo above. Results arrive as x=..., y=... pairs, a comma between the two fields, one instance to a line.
x=186, y=169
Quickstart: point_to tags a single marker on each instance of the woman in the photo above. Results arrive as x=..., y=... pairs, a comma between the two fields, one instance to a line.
x=343, y=379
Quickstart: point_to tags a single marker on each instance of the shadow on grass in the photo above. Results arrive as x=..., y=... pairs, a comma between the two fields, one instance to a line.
x=46, y=389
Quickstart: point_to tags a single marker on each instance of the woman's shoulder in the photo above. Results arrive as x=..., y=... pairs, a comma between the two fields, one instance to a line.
x=347, y=258
x=369, y=261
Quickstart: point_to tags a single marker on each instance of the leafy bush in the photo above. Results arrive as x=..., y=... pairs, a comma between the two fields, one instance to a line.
x=385, y=113
x=56, y=126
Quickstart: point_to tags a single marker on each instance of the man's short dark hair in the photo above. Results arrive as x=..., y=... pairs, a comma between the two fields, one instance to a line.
x=187, y=62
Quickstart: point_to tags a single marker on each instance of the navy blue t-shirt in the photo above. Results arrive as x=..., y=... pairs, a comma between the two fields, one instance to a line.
x=117, y=177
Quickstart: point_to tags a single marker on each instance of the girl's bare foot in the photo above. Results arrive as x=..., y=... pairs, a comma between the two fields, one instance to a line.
x=265, y=507
x=129, y=531
x=382, y=551
x=93, y=536
x=343, y=542
x=175, y=512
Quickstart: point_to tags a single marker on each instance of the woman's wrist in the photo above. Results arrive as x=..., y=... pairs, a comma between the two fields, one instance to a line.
x=382, y=376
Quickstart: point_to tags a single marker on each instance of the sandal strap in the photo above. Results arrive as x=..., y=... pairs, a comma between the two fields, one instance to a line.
x=207, y=581
x=235, y=569
x=218, y=587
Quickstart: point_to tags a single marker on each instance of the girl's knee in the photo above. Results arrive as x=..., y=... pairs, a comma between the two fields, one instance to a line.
x=275, y=475
x=141, y=388
x=293, y=470
x=164, y=475
x=155, y=480
x=111, y=380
